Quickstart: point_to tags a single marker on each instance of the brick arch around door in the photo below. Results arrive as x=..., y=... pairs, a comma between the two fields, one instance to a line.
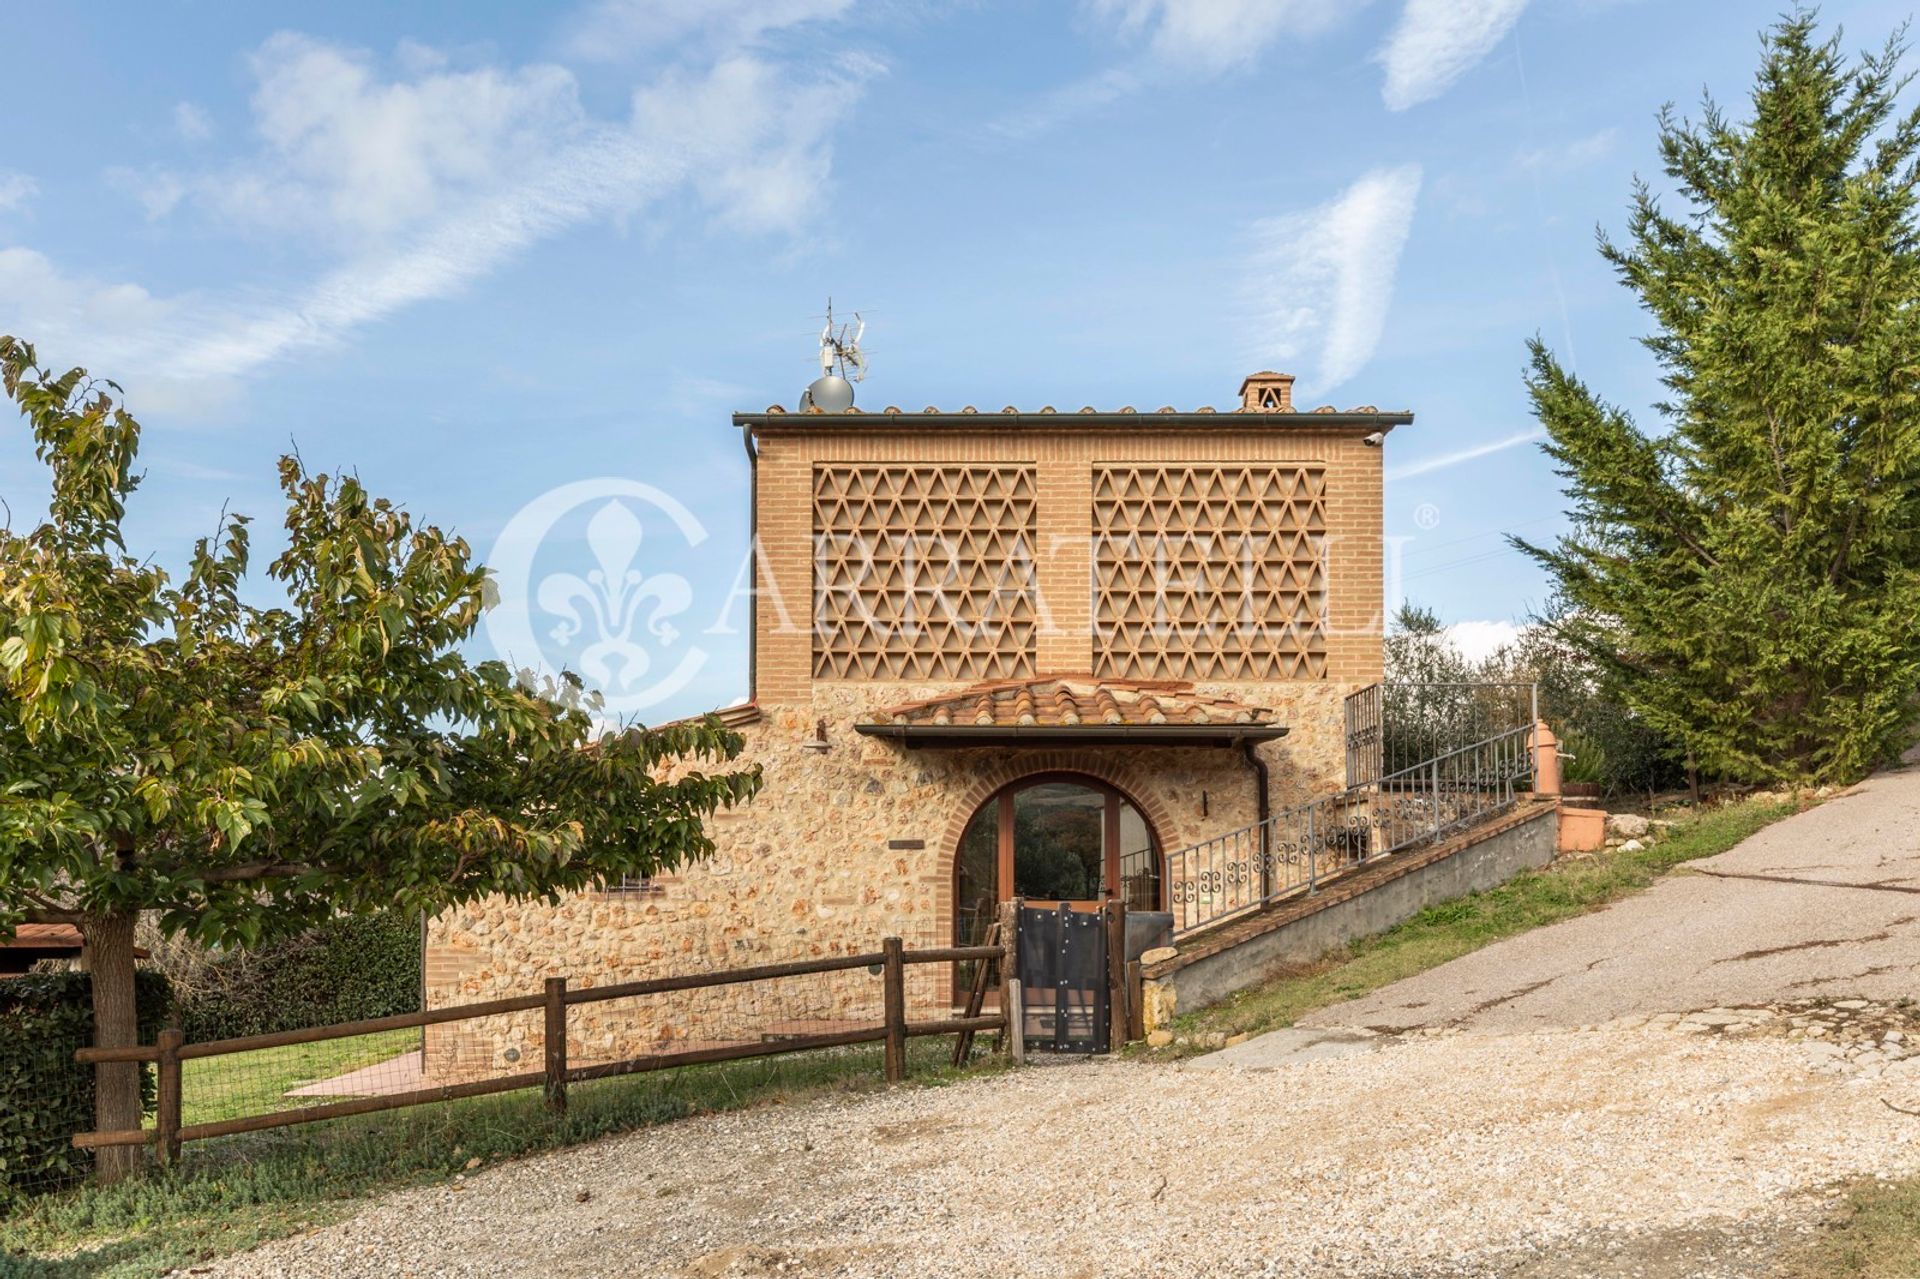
x=991, y=872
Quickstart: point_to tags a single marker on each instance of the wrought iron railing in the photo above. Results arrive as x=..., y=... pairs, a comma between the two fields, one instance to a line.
x=1397, y=724
x=1297, y=850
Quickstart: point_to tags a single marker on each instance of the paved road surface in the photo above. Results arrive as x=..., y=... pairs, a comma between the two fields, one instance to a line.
x=1823, y=903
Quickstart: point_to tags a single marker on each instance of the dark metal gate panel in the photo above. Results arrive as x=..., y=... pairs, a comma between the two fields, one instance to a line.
x=1063, y=980
x=1366, y=735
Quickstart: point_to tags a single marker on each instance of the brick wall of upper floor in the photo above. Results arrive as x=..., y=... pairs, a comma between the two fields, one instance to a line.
x=1243, y=547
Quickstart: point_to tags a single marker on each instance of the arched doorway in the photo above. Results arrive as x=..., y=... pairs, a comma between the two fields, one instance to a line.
x=1053, y=837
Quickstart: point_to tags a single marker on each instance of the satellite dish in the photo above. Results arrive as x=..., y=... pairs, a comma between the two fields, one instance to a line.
x=841, y=359
x=829, y=394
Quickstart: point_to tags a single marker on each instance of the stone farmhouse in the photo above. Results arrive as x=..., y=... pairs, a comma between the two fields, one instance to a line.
x=994, y=655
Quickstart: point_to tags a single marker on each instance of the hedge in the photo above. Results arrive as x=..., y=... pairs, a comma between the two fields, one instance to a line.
x=46, y=1096
x=347, y=969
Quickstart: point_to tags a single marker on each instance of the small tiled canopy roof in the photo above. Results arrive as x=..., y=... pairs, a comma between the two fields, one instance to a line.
x=37, y=941
x=1078, y=709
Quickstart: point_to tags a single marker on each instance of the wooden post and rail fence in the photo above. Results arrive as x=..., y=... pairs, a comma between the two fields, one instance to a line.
x=893, y=1031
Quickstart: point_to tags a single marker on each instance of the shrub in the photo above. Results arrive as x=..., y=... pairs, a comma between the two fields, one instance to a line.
x=347, y=969
x=45, y=1096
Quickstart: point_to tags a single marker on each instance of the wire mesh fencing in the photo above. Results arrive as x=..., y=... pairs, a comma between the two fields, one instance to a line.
x=46, y=1016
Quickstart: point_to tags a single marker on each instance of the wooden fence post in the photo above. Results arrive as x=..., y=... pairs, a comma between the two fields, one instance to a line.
x=1017, y=1019
x=166, y=1144
x=556, y=1043
x=1136, y=1002
x=1116, y=975
x=1009, y=970
x=894, y=980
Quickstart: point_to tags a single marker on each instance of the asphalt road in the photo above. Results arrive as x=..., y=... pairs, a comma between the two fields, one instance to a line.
x=1825, y=903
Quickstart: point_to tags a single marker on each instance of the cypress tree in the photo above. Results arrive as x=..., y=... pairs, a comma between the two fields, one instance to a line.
x=1748, y=577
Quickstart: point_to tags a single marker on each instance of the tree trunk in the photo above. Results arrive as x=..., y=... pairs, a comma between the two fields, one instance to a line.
x=108, y=955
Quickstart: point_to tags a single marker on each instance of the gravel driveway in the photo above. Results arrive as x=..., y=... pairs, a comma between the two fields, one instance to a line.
x=1560, y=1153
x=1498, y=1133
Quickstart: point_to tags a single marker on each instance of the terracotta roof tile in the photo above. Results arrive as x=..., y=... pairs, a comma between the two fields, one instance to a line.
x=44, y=936
x=1067, y=700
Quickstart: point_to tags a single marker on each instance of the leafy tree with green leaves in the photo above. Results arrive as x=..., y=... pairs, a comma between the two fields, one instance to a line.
x=239, y=772
x=1748, y=580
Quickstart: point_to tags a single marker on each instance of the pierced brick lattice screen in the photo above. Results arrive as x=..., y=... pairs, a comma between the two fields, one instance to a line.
x=923, y=572
x=1209, y=572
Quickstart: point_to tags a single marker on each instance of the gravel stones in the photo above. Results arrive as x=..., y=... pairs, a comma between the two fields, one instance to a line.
x=1445, y=1154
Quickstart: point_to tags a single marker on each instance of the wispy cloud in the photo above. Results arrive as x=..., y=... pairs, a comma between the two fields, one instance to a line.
x=1438, y=41
x=609, y=30
x=1068, y=102
x=1321, y=280
x=1460, y=456
x=1173, y=39
x=1568, y=156
x=421, y=185
x=1218, y=35
x=191, y=122
x=157, y=191
x=16, y=189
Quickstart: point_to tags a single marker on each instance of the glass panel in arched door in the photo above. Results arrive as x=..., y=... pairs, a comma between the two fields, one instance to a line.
x=1060, y=844
x=1050, y=840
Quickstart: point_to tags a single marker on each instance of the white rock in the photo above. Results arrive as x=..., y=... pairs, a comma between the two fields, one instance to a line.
x=1627, y=825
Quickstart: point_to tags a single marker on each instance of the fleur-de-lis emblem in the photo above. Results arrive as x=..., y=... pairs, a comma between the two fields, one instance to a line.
x=606, y=621
x=611, y=597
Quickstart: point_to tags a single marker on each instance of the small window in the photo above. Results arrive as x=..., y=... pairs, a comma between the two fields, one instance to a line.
x=636, y=886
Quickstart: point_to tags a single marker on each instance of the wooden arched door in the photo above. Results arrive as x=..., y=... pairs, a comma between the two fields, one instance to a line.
x=1051, y=838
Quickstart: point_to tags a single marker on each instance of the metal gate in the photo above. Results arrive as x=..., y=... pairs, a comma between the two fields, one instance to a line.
x=1065, y=993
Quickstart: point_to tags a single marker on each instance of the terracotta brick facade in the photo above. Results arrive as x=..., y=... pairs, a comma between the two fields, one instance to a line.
x=853, y=838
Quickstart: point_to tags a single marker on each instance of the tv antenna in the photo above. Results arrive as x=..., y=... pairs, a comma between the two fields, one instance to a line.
x=842, y=363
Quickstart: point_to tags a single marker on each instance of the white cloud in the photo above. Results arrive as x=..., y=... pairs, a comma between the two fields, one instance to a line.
x=1322, y=279
x=191, y=123
x=612, y=29
x=1479, y=640
x=1218, y=35
x=361, y=158
x=1459, y=456
x=758, y=150
x=16, y=189
x=114, y=329
x=422, y=185
x=1438, y=41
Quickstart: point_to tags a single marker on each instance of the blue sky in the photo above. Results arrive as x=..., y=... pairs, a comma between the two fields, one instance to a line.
x=478, y=252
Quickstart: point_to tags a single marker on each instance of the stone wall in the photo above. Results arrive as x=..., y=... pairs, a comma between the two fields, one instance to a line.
x=842, y=847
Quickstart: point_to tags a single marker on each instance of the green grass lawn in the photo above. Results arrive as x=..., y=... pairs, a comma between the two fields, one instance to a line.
x=1877, y=1236
x=234, y=1192
x=215, y=1088
x=1450, y=929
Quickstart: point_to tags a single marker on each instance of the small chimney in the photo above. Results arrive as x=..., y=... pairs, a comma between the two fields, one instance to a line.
x=1267, y=392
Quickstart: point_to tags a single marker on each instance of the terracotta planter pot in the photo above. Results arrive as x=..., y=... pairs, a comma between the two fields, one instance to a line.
x=1582, y=829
